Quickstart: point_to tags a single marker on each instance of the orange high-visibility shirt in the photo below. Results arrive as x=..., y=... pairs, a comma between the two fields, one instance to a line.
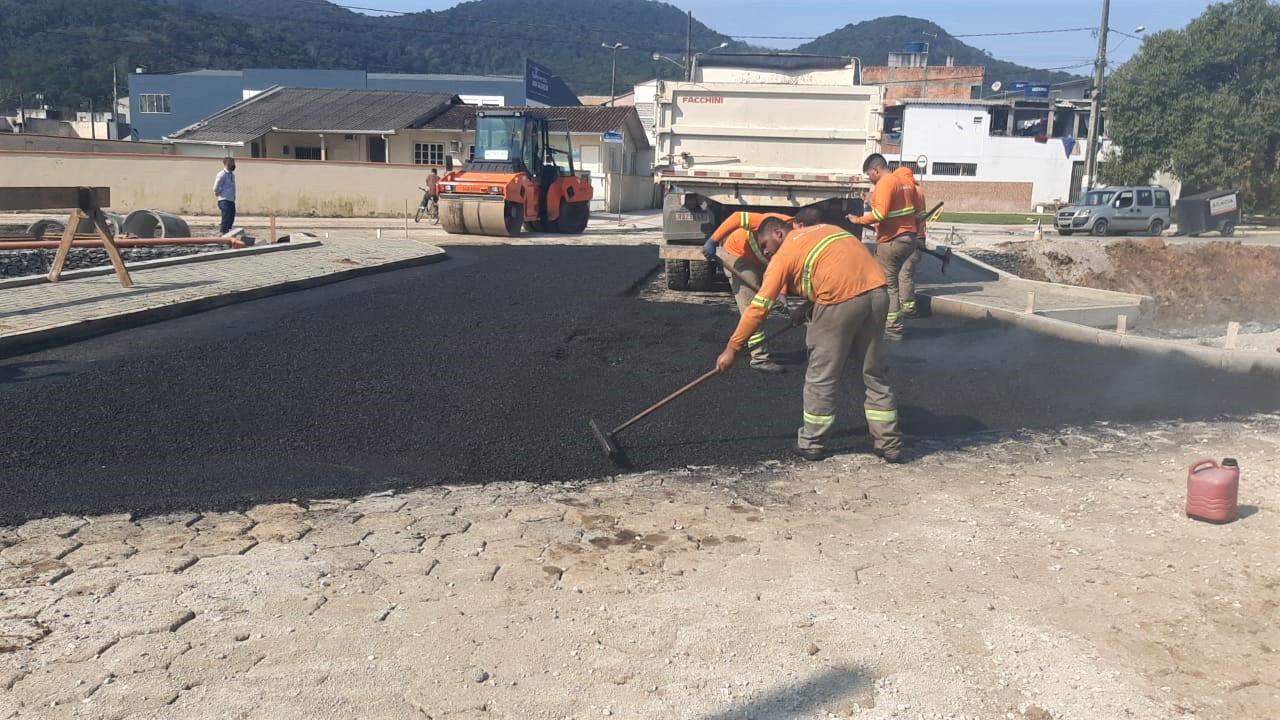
x=893, y=205
x=821, y=263
x=738, y=235
x=922, y=207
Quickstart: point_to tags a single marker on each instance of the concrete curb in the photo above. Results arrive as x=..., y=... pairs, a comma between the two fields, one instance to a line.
x=26, y=280
x=1245, y=362
x=44, y=338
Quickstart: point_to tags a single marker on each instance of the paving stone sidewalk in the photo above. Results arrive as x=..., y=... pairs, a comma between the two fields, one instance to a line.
x=82, y=305
x=1014, y=576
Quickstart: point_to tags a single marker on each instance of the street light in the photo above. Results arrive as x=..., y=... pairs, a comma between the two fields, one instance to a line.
x=694, y=60
x=659, y=56
x=613, y=74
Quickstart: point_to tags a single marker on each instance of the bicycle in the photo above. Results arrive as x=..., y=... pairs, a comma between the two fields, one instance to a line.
x=430, y=206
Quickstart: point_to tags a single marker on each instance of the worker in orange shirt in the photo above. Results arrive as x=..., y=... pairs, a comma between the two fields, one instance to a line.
x=893, y=212
x=907, y=275
x=744, y=253
x=846, y=307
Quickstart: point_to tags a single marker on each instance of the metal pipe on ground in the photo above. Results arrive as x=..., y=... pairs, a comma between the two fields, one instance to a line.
x=155, y=224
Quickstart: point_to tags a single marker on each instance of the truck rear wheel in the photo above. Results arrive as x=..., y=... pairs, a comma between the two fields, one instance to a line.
x=700, y=275
x=678, y=275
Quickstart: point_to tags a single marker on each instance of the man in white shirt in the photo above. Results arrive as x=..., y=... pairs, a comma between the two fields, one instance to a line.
x=224, y=188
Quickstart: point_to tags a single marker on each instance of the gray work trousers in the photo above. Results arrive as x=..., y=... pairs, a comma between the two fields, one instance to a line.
x=899, y=258
x=836, y=332
x=743, y=296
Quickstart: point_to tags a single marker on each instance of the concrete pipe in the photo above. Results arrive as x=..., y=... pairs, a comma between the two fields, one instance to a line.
x=120, y=242
x=53, y=227
x=155, y=224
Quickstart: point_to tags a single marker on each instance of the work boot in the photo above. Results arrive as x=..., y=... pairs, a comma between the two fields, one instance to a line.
x=768, y=366
x=891, y=455
x=811, y=454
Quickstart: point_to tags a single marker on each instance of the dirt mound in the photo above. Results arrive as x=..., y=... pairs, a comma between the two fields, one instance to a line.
x=1197, y=284
x=1069, y=261
x=1194, y=285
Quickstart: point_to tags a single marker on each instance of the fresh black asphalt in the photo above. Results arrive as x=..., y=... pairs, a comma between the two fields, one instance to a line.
x=487, y=368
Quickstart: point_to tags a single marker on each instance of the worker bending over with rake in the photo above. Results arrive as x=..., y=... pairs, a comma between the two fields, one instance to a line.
x=895, y=202
x=738, y=234
x=846, y=307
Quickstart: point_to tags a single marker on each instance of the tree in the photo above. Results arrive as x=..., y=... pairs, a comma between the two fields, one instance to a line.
x=1204, y=104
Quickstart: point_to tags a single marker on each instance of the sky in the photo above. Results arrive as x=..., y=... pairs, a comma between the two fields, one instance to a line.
x=810, y=18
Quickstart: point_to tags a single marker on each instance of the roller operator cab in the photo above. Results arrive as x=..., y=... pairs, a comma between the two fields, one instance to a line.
x=522, y=176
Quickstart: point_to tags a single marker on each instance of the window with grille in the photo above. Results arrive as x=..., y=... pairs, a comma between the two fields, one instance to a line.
x=428, y=153
x=471, y=153
x=306, y=153
x=153, y=104
x=956, y=169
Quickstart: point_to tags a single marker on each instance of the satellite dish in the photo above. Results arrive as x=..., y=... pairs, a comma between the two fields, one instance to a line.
x=995, y=86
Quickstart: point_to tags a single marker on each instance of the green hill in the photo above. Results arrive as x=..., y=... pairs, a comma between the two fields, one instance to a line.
x=873, y=40
x=65, y=49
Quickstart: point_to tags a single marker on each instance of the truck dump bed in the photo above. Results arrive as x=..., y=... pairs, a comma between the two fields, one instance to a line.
x=786, y=127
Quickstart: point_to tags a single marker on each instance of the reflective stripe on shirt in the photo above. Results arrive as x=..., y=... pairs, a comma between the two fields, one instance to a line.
x=806, y=277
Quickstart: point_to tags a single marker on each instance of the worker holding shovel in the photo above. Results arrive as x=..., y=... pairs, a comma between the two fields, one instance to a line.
x=894, y=204
x=848, y=306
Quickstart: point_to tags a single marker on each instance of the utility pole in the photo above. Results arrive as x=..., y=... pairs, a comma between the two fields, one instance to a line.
x=115, y=105
x=688, y=51
x=1095, y=105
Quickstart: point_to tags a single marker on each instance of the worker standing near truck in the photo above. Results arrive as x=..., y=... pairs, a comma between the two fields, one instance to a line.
x=893, y=212
x=907, y=276
x=738, y=235
x=846, y=289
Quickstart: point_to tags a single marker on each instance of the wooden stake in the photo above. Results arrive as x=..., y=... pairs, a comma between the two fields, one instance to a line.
x=68, y=236
x=273, y=228
x=406, y=219
x=1031, y=302
x=1122, y=324
x=109, y=244
x=1233, y=329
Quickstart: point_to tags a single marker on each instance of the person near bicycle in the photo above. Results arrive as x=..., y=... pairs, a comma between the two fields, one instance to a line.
x=895, y=202
x=433, y=179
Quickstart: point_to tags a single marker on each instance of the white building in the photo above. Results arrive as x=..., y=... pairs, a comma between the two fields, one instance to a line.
x=1008, y=155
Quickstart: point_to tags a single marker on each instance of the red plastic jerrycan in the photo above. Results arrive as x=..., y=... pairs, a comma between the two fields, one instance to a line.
x=1212, y=490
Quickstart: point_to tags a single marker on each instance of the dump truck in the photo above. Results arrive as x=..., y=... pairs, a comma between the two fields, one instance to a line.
x=773, y=132
x=522, y=176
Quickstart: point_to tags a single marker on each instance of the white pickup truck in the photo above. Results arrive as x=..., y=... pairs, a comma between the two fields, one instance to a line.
x=764, y=133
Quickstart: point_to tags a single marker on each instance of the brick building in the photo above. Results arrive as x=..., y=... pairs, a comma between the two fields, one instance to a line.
x=910, y=75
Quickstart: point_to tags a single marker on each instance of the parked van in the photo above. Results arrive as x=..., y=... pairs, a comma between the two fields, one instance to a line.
x=1117, y=210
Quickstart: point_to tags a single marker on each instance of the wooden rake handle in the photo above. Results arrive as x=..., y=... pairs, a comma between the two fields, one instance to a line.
x=664, y=401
